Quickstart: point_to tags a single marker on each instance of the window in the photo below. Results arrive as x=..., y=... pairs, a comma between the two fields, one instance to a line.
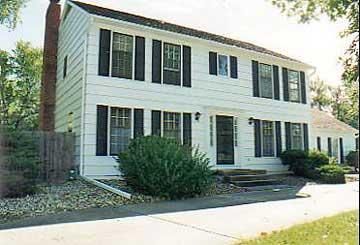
x=265, y=80
x=296, y=136
x=172, y=63
x=223, y=65
x=294, y=86
x=120, y=129
x=211, y=124
x=318, y=143
x=268, y=138
x=235, y=131
x=65, y=66
x=171, y=126
x=122, y=55
x=70, y=122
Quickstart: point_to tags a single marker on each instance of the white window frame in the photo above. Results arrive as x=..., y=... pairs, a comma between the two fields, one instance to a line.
x=162, y=63
x=180, y=123
x=301, y=135
x=262, y=138
x=111, y=55
x=228, y=65
x=272, y=81
x=211, y=130
x=236, y=131
x=299, y=93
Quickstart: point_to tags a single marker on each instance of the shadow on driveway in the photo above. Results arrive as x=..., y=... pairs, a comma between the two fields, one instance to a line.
x=155, y=208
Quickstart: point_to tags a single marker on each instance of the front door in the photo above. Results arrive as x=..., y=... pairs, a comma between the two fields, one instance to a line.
x=224, y=140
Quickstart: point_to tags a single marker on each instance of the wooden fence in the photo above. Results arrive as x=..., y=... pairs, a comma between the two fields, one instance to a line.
x=55, y=152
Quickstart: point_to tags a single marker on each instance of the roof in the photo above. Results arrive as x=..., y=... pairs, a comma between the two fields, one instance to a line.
x=162, y=25
x=323, y=120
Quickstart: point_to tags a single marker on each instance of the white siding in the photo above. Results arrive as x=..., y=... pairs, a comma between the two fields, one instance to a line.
x=210, y=95
x=72, y=38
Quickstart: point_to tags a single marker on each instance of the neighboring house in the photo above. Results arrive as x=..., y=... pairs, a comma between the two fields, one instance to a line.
x=331, y=135
x=121, y=76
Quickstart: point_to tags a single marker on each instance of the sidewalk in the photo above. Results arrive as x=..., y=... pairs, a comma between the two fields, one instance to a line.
x=222, y=225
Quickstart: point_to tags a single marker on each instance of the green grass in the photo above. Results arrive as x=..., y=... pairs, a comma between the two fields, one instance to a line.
x=341, y=229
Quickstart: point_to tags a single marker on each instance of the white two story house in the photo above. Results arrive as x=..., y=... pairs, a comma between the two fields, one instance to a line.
x=121, y=76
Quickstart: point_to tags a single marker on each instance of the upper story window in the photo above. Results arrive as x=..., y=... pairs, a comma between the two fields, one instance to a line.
x=265, y=81
x=223, y=65
x=65, y=66
x=296, y=136
x=294, y=86
x=172, y=64
x=122, y=55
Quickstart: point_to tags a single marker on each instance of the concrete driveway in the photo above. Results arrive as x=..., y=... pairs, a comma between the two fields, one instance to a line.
x=212, y=226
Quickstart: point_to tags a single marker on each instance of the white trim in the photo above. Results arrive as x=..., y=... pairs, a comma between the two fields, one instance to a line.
x=272, y=81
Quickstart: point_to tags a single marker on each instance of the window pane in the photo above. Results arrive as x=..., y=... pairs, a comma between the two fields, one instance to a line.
x=120, y=129
x=296, y=136
x=265, y=77
x=294, y=86
x=122, y=55
x=172, y=57
x=268, y=138
x=172, y=126
x=223, y=65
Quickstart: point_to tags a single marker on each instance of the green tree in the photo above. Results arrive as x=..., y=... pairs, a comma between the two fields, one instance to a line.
x=20, y=79
x=10, y=12
x=319, y=94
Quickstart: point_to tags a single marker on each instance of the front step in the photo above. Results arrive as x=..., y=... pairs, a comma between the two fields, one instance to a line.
x=245, y=177
x=229, y=172
x=258, y=182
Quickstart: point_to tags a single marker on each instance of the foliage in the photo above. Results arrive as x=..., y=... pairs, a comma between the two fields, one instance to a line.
x=9, y=12
x=319, y=94
x=352, y=159
x=332, y=174
x=20, y=163
x=295, y=159
x=335, y=10
x=339, y=229
x=20, y=77
x=161, y=167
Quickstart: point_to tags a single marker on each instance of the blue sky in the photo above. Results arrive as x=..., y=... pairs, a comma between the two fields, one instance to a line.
x=255, y=21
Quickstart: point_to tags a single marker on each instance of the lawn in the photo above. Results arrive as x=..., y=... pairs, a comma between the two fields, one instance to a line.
x=340, y=229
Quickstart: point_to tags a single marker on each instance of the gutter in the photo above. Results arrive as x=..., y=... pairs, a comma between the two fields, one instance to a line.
x=107, y=187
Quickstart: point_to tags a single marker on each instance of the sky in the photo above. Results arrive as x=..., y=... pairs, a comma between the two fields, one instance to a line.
x=255, y=21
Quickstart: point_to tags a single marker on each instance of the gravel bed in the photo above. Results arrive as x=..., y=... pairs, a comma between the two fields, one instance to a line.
x=72, y=195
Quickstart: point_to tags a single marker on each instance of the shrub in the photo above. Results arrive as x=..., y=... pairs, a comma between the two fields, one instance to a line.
x=20, y=164
x=296, y=161
x=331, y=174
x=318, y=158
x=352, y=159
x=162, y=167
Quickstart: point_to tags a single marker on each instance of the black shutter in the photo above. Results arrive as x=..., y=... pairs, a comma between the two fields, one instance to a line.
x=233, y=67
x=156, y=123
x=276, y=82
x=342, y=160
x=303, y=87
x=186, y=66
x=329, y=147
x=140, y=58
x=255, y=78
x=187, y=129
x=257, y=129
x=138, y=123
x=156, y=61
x=278, y=138
x=288, y=135
x=104, y=52
x=306, y=136
x=212, y=63
x=101, y=130
x=318, y=143
x=285, y=83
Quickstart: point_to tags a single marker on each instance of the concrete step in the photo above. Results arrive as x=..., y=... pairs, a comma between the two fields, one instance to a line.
x=227, y=172
x=244, y=177
x=259, y=182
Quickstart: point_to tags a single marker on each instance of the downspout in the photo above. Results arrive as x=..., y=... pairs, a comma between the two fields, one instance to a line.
x=82, y=130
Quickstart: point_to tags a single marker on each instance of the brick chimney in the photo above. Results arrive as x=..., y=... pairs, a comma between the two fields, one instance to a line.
x=48, y=83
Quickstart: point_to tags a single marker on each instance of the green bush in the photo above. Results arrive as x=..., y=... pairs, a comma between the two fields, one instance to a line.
x=352, y=159
x=318, y=158
x=20, y=164
x=162, y=167
x=331, y=174
x=296, y=161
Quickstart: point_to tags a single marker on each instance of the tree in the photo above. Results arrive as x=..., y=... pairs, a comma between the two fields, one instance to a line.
x=319, y=94
x=9, y=12
x=20, y=79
